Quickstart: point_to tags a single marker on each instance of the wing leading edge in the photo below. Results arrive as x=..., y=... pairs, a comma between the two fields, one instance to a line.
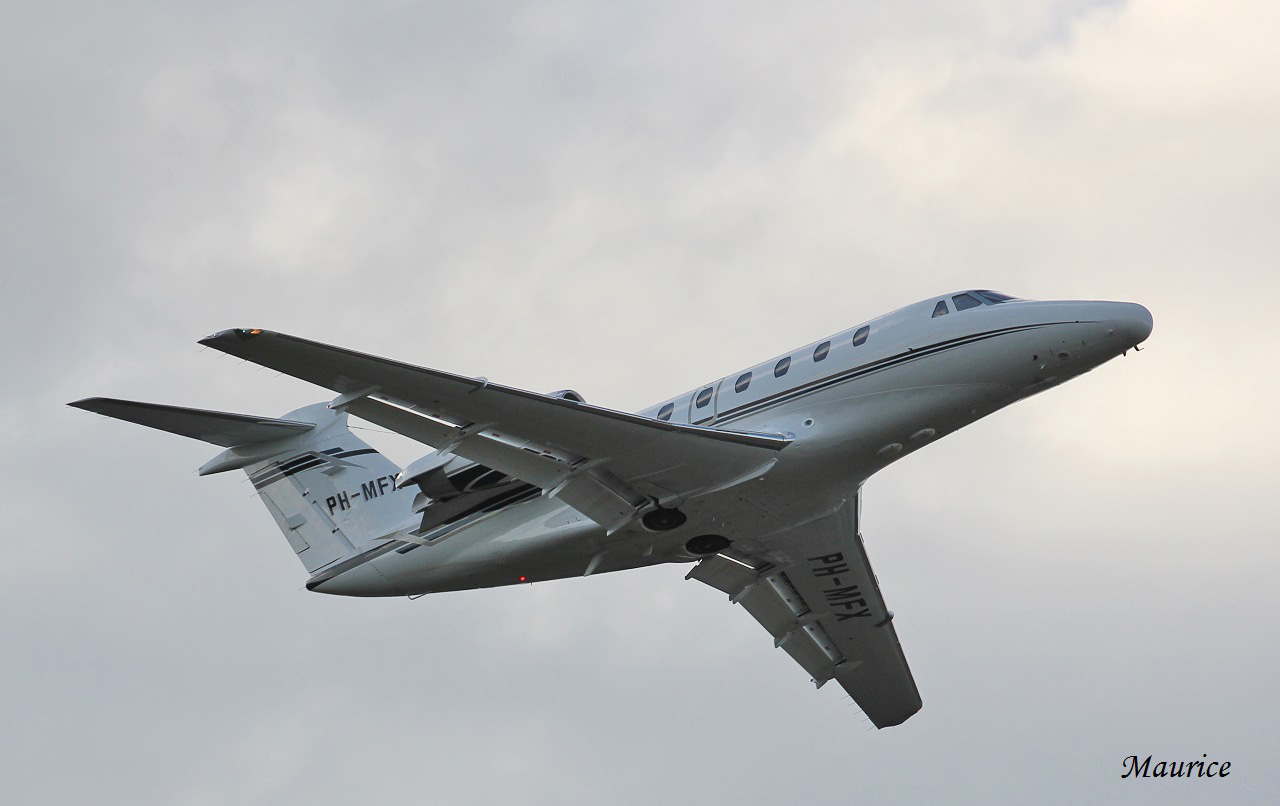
x=824, y=607
x=608, y=464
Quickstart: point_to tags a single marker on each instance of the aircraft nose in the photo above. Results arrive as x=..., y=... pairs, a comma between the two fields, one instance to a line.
x=1133, y=322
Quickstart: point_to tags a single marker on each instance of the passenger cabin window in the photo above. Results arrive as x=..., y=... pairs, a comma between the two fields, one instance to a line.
x=964, y=302
x=940, y=309
x=704, y=397
x=860, y=338
x=664, y=413
x=820, y=352
x=744, y=380
x=780, y=368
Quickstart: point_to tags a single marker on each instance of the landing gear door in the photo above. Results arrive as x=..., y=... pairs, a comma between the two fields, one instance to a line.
x=702, y=407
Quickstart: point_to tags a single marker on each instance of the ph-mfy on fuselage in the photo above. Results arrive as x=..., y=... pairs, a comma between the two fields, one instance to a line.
x=756, y=476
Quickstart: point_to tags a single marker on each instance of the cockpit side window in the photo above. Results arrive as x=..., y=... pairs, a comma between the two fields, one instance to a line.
x=940, y=309
x=964, y=302
x=994, y=297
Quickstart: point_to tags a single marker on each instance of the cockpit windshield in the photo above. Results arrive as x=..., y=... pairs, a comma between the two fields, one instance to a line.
x=993, y=297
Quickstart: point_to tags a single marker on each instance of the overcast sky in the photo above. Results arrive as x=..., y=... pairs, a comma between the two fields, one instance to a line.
x=631, y=199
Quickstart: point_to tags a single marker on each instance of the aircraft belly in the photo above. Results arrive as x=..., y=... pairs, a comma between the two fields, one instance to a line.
x=516, y=548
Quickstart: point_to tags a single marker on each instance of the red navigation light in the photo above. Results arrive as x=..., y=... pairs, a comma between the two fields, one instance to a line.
x=522, y=579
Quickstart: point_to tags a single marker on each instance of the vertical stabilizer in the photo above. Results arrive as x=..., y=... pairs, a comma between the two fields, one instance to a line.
x=329, y=492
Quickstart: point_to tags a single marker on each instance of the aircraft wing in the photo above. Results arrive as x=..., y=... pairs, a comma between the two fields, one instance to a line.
x=819, y=599
x=607, y=464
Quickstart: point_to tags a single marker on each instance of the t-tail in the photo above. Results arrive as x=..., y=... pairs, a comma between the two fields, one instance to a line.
x=329, y=492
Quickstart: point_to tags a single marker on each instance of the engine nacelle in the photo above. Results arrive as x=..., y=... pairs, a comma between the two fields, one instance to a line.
x=568, y=394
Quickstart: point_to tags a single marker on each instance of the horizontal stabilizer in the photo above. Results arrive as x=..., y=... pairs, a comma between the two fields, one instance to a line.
x=217, y=427
x=329, y=492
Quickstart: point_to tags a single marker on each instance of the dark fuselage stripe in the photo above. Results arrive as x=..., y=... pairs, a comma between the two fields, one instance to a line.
x=272, y=475
x=871, y=367
x=290, y=463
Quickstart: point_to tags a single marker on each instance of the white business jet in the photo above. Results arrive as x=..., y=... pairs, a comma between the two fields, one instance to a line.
x=756, y=476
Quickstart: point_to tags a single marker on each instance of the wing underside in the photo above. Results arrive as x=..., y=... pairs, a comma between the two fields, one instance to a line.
x=822, y=604
x=609, y=465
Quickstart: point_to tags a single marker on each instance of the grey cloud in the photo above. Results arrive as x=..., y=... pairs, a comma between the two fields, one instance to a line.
x=630, y=200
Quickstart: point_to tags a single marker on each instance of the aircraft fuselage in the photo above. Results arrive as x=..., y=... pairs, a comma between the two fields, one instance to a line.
x=855, y=403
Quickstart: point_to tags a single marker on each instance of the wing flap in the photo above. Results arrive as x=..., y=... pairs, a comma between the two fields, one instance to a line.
x=726, y=575
x=804, y=650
